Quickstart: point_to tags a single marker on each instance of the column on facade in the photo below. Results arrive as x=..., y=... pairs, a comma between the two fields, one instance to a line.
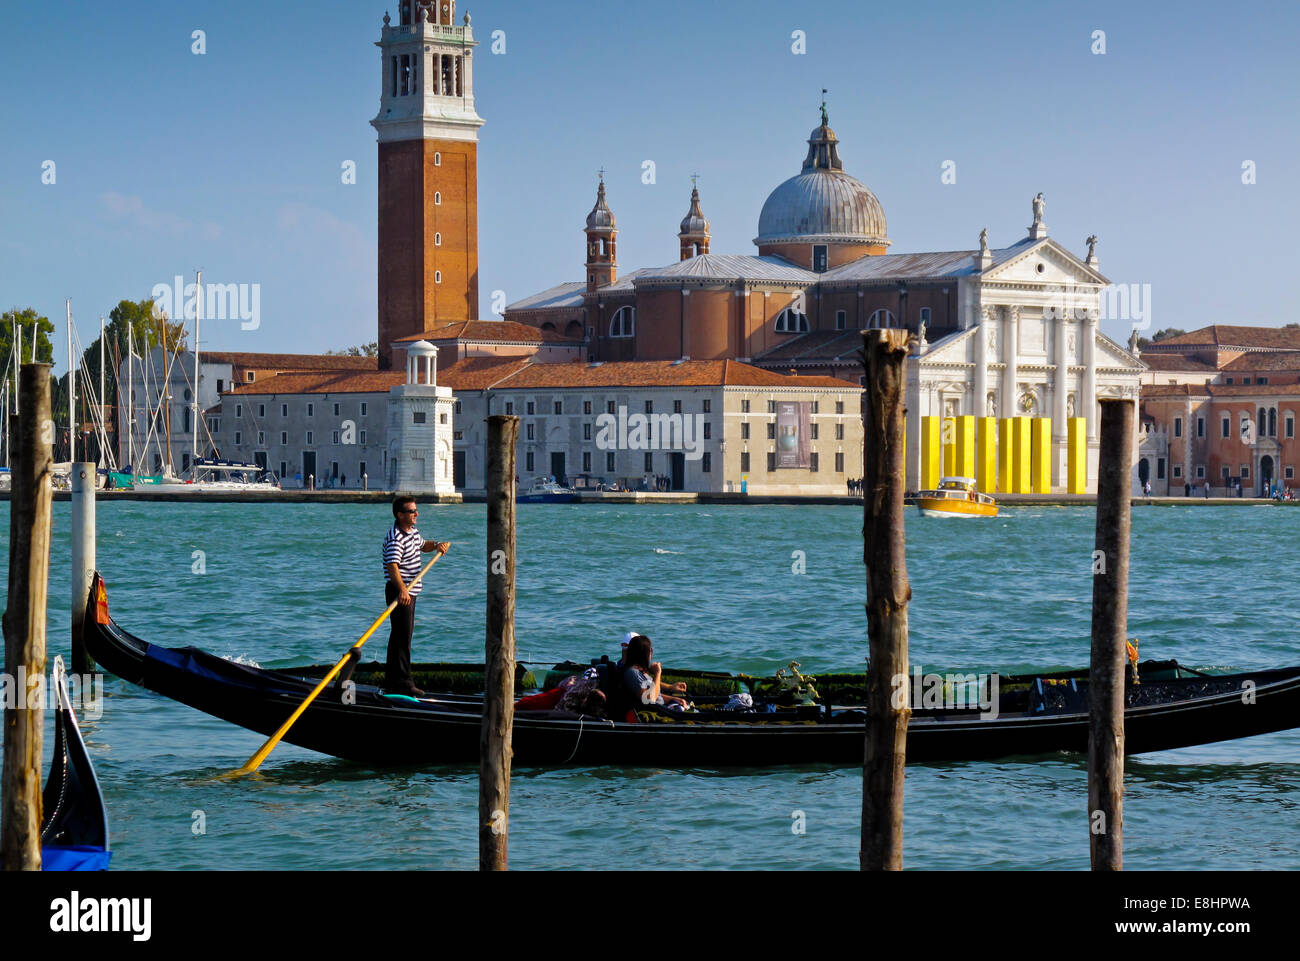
x=467, y=70
x=428, y=65
x=1062, y=389
x=979, y=406
x=1088, y=332
x=455, y=73
x=1010, y=341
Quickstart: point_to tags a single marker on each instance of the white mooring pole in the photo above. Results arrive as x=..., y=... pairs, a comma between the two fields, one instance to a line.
x=83, y=559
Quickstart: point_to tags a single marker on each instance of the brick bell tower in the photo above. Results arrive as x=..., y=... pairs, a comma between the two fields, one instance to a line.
x=428, y=173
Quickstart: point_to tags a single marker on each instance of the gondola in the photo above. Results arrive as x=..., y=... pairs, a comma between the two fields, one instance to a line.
x=74, y=829
x=1045, y=715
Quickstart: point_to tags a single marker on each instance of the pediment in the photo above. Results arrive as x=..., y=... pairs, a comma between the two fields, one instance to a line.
x=1111, y=354
x=1059, y=266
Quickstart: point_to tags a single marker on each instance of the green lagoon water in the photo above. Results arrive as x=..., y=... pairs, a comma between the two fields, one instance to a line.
x=716, y=589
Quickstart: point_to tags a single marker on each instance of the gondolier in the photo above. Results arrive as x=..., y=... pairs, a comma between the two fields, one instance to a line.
x=402, y=549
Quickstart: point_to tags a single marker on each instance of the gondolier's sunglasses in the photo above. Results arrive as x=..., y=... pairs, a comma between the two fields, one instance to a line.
x=409, y=512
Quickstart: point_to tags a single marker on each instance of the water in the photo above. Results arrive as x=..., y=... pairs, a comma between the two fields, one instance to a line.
x=713, y=586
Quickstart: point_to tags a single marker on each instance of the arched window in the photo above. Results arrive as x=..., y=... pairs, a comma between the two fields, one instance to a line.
x=790, y=321
x=623, y=323
x=437, y=276
x=437, y=199
x=881, y=318
x=437, y=240
x=437, y=160
x=1272, y=422
x=1263, y=423
x=548, y=326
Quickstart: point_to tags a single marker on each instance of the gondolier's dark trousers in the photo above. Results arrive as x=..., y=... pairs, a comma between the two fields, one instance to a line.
x=402, y=625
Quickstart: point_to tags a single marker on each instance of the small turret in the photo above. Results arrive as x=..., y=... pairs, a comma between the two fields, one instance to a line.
x=694, y=234
x=602, y=242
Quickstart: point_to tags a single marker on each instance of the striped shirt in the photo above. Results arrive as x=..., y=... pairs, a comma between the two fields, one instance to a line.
x=404, y=550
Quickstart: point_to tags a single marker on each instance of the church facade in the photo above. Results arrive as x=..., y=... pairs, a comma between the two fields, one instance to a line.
x=1009, y=365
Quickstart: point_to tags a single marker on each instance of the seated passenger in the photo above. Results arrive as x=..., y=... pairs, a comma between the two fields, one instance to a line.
x=643, y=677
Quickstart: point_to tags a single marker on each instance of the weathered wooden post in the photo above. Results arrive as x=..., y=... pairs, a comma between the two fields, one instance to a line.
x=1109, y=639
x=888, y=592
x=83, y=559
x=32, y=435
x=494, y=742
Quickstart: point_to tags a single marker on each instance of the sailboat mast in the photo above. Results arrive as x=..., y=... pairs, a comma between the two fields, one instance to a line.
x=198, y=317
x=103, y=420
x=72, y=393
x=130, y=396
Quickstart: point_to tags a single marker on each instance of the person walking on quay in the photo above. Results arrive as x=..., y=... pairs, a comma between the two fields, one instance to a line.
x=1146, y=488
x=1187, y=489
x=1207, y=490
x=402, y=549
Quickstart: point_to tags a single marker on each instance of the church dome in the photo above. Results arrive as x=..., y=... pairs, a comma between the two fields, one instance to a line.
x=601, y=217
x=822, y=204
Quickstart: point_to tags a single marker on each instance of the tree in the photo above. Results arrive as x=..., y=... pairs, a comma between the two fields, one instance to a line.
x=365, y=350
x=36, y=330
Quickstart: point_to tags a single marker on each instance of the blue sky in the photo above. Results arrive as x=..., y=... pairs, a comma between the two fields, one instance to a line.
x=167, y=161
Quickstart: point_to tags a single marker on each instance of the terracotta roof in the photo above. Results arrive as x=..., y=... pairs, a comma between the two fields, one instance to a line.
x=1167, y=391
x=325, y=382
x=1229, y=337
x=488, y=331
x=661, y=373
x=479, y=373
x=1271, y=360
x=290, y=361
x=1175, y=362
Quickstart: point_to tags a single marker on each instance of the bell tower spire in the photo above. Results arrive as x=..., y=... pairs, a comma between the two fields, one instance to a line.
x=602, y=242
x=694, y=234
x=428, y=172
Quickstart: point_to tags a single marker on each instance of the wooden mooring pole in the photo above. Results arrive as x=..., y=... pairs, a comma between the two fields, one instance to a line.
x=32, y=436
x=494, y=742
x=1109, y=639
x=83, y=559
x=888, y=592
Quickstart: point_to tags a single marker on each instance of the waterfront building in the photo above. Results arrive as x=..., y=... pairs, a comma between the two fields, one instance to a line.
x=1008, y=350
x=1219, y=406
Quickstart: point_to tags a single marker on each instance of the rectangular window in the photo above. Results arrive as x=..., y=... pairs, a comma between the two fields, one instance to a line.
x=284, y=469
x=1200, y=427
x=771, y=431
x=820, y=258
x=1178, y=427
x=814, y=461
x=1245, y=471
x=708, y=430
x=1290, y=473
x=363, y=472
x=839, y=462
x=841, y=319
x=220, y=388
x=586, y=462
x=1178, y=471
x=528, y=462
x=559, y=407
x=586, y=407
x=1261, y=380
x=311, y=410
x=239, y=410
x=442, y=418
x=336, y=410
x=310, y=439
x=261, y=439
x=815, y=432
x=334, y=468
x=457, y=409
x=284, y=438
x=649, y=463
x=420, y=417
x=532, y=408
x=1227, y=472
x=677, y=407
x=458, y=435
x=706, y=465
x=609, y=408
x=708, y=406
x=251, y=376
x=925, y=316
x=1227, y=427
x=771, y=407
x=532, y=433
x=744, y=431
x=839, y=431
x=510, y=407
x=771, y=462
x=839, y=407
x=334, y=438
x=586, y=432
x=261, y=410
x=1228, y=381
x=1290, y=427
x=649, y=407
x=238, y=438
x=1160, y=468
x=364, y=409
x=1246, y=381
x=1200, y=472
x=744, y=462
x=609, y=462
x=363, y=438
x=284, y=410
x=744, y=407
x=816, y=407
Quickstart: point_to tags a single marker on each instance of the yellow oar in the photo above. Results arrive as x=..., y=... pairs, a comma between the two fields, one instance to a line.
x=264, y=751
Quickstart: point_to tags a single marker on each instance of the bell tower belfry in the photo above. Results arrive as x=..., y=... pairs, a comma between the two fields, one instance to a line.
x=428, y=172
x=602, y=242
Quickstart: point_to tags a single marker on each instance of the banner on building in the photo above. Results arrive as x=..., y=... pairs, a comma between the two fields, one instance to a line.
x=793, y=435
